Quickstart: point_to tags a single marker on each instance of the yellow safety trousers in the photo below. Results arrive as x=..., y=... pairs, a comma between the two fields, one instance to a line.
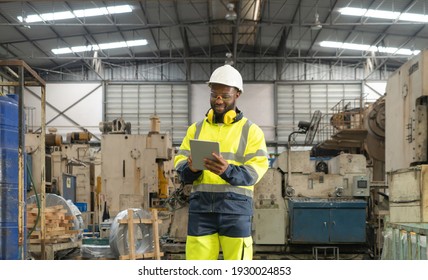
x=207, y=247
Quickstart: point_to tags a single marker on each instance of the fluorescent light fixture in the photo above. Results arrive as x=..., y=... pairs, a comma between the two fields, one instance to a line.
x=105, y=46
x=256, y=10
x=362, y=47
x=384, y=14
x=353, y=11
x=76, y=14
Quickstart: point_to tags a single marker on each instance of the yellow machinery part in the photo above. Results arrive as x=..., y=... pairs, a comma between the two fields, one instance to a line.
x=163, y=182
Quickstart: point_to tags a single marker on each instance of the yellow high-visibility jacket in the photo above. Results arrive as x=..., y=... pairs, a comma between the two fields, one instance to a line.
x=243, y=145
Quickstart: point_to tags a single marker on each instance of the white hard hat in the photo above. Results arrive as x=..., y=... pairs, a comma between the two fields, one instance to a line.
x=227, y=75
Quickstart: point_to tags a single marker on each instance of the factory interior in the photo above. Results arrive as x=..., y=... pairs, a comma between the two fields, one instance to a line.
x=96, y=98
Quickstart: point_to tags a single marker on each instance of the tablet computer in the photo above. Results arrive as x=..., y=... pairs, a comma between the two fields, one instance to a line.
x=201, y=149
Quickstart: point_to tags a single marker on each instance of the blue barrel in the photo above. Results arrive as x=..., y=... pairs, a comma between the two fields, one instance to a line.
x=9, y=142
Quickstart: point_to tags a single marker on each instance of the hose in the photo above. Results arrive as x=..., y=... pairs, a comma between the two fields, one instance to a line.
x=37, y=201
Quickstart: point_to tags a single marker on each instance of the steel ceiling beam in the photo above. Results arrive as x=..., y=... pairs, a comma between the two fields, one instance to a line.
x=86, y=63
x=173, y=14
x=185, y=41
x=142, y=26
x=16, y=28
x=332, y=8
x=197, y=58
x=145, y=22
x=259, y=24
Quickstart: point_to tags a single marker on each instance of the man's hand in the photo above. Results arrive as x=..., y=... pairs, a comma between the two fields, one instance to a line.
x=189, y=162
x=217, y=166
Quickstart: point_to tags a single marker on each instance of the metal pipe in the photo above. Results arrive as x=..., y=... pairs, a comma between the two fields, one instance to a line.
x=21, y=146
x=43, y=173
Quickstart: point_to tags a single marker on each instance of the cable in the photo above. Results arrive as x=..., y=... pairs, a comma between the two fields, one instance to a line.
x=37, y=200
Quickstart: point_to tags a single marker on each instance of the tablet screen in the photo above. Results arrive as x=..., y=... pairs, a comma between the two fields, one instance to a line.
x=201, y=149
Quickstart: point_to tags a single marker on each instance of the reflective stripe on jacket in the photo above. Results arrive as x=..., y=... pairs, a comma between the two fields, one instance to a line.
x=243, y=145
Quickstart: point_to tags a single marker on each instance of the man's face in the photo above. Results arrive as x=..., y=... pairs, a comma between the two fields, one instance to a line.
x=223, y=99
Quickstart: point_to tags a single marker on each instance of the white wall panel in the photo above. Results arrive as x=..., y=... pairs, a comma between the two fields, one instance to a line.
x=257, y=104
x=86, y=113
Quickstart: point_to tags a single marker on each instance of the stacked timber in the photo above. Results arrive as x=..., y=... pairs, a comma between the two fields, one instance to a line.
x=58, y=225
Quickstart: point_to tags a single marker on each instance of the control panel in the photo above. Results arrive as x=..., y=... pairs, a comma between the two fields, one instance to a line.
x=360, y=186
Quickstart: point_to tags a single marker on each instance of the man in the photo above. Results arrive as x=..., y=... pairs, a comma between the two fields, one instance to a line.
x=221, y=204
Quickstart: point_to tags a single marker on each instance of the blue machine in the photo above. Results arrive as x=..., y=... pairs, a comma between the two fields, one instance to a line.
x=9, y=143
x=327, y=221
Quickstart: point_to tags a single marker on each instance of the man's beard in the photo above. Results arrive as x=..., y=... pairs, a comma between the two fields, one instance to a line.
x=219, y=116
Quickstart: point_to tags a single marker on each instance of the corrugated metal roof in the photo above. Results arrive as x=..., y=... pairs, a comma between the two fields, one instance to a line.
x=195, y=31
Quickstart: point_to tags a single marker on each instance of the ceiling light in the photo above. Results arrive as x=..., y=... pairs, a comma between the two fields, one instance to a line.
x=77, y=14
x=384, y=14
x=24, y=20
x=105, y=46
x=317, y=24
x=229, y=59
x=363, y=47
x=256, y=10
x=231, y=14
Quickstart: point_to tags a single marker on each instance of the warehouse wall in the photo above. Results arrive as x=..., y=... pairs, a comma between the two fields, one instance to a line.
x=257, y=104
x=275, y=107
x=136, y=102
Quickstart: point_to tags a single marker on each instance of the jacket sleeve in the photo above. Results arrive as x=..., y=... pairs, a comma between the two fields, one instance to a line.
x=255, y=163
x=180, y=160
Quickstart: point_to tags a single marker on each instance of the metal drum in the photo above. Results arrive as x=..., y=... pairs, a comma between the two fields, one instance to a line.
x=9, y=235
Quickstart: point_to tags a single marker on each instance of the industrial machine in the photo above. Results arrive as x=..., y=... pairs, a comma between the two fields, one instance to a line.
x=312, y=201
x=358, y=127
x=136, y=170
x=406, y=141
x=70, y=168
x=406, y=160
x=374, y=144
